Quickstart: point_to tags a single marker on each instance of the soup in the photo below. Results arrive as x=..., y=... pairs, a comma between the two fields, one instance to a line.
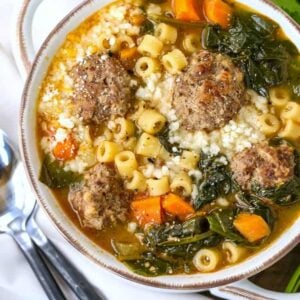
x=169, y=133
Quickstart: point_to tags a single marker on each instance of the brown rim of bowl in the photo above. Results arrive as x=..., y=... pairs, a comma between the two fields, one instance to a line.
x=125, y=274
x=20, y=36
x=243, y=293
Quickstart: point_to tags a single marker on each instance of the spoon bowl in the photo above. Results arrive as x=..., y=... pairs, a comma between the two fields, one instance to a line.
x=11, y=185
x=15, y=209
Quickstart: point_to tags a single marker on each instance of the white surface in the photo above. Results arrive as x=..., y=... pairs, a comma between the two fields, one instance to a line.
x=17, y=281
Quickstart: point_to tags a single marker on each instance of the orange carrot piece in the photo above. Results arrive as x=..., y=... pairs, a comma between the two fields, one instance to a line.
x=176, y=206
x=148, y=211
x=218, y=12
x=66, y=150
x=186, y=10
x=137, y=19
x=252, y=227
x=128, y=53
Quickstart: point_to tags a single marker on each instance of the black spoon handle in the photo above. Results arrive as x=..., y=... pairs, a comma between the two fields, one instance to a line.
x=76, y=281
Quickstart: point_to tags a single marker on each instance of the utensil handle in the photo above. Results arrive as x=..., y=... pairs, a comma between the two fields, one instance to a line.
x=77, y=282
x=38, y=265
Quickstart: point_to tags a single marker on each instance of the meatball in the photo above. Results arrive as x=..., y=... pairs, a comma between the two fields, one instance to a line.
x=100, y=200
x=209, y=93
x=101, y=89
x=263, y=165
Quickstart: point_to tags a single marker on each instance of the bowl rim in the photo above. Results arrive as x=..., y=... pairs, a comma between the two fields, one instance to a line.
x=73, y=241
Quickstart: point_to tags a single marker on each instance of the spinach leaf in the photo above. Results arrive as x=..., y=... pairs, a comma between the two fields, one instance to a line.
x=54, y=176
x=286, y=194
x=187, y=251
x=163, y=137
x=221, y=222
x=294, y=77
x=181, y=240
x=186, y=240
x=216, y=180
x=159, y=234
x=252, y=43
x=150, y=265
x=147, y=28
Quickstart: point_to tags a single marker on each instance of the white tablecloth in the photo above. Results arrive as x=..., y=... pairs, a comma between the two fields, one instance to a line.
x=17, y=282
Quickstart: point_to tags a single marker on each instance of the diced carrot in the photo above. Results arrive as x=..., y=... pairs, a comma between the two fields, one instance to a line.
x=137, y=19
x=252, y=227
x=176, y=206
x=186, y=10
x=66, y=150
x=218, y=12
x=148, y=211
x=128, y=53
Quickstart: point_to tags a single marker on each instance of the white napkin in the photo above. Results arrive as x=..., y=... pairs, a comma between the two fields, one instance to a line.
x=17, y=281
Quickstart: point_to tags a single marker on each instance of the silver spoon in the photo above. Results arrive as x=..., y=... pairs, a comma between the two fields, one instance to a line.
x=76, y=281
x=14, y=214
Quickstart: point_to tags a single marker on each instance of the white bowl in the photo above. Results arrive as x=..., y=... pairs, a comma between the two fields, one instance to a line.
x=24, y=54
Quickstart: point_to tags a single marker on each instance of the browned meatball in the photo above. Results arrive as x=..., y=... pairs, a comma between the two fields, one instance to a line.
x=209, y=93
x=100, y=200
x=101, y=89
x=263, y=165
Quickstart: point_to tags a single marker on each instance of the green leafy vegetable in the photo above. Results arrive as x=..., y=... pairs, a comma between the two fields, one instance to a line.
x=147, y=27
x=163, y=137
x=186, y=240
x=54, y=176
x=216, y=180
x=221, y=222
x=292, y=7
x=175, y=22
x=294, y=76
x=127, y=251
x=150, y=265
x=252, y=43
x=181, y=240
x=187, y=251
x=286, y=194
x=159, y=234
x=294, y=284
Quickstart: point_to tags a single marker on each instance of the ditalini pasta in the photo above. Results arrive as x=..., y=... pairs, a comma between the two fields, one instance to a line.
x=192, y=42
x=124, y=129
x=174, y=61
x=145, y=66
x=158, y=187
x=148, y=145
x=107, y=151
x=270, y=124
x=151, y=121
x=126, y=163
x=150, y=46
x=279, y=97
x=137, y=182
x=166, y=33
x=207, y=260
